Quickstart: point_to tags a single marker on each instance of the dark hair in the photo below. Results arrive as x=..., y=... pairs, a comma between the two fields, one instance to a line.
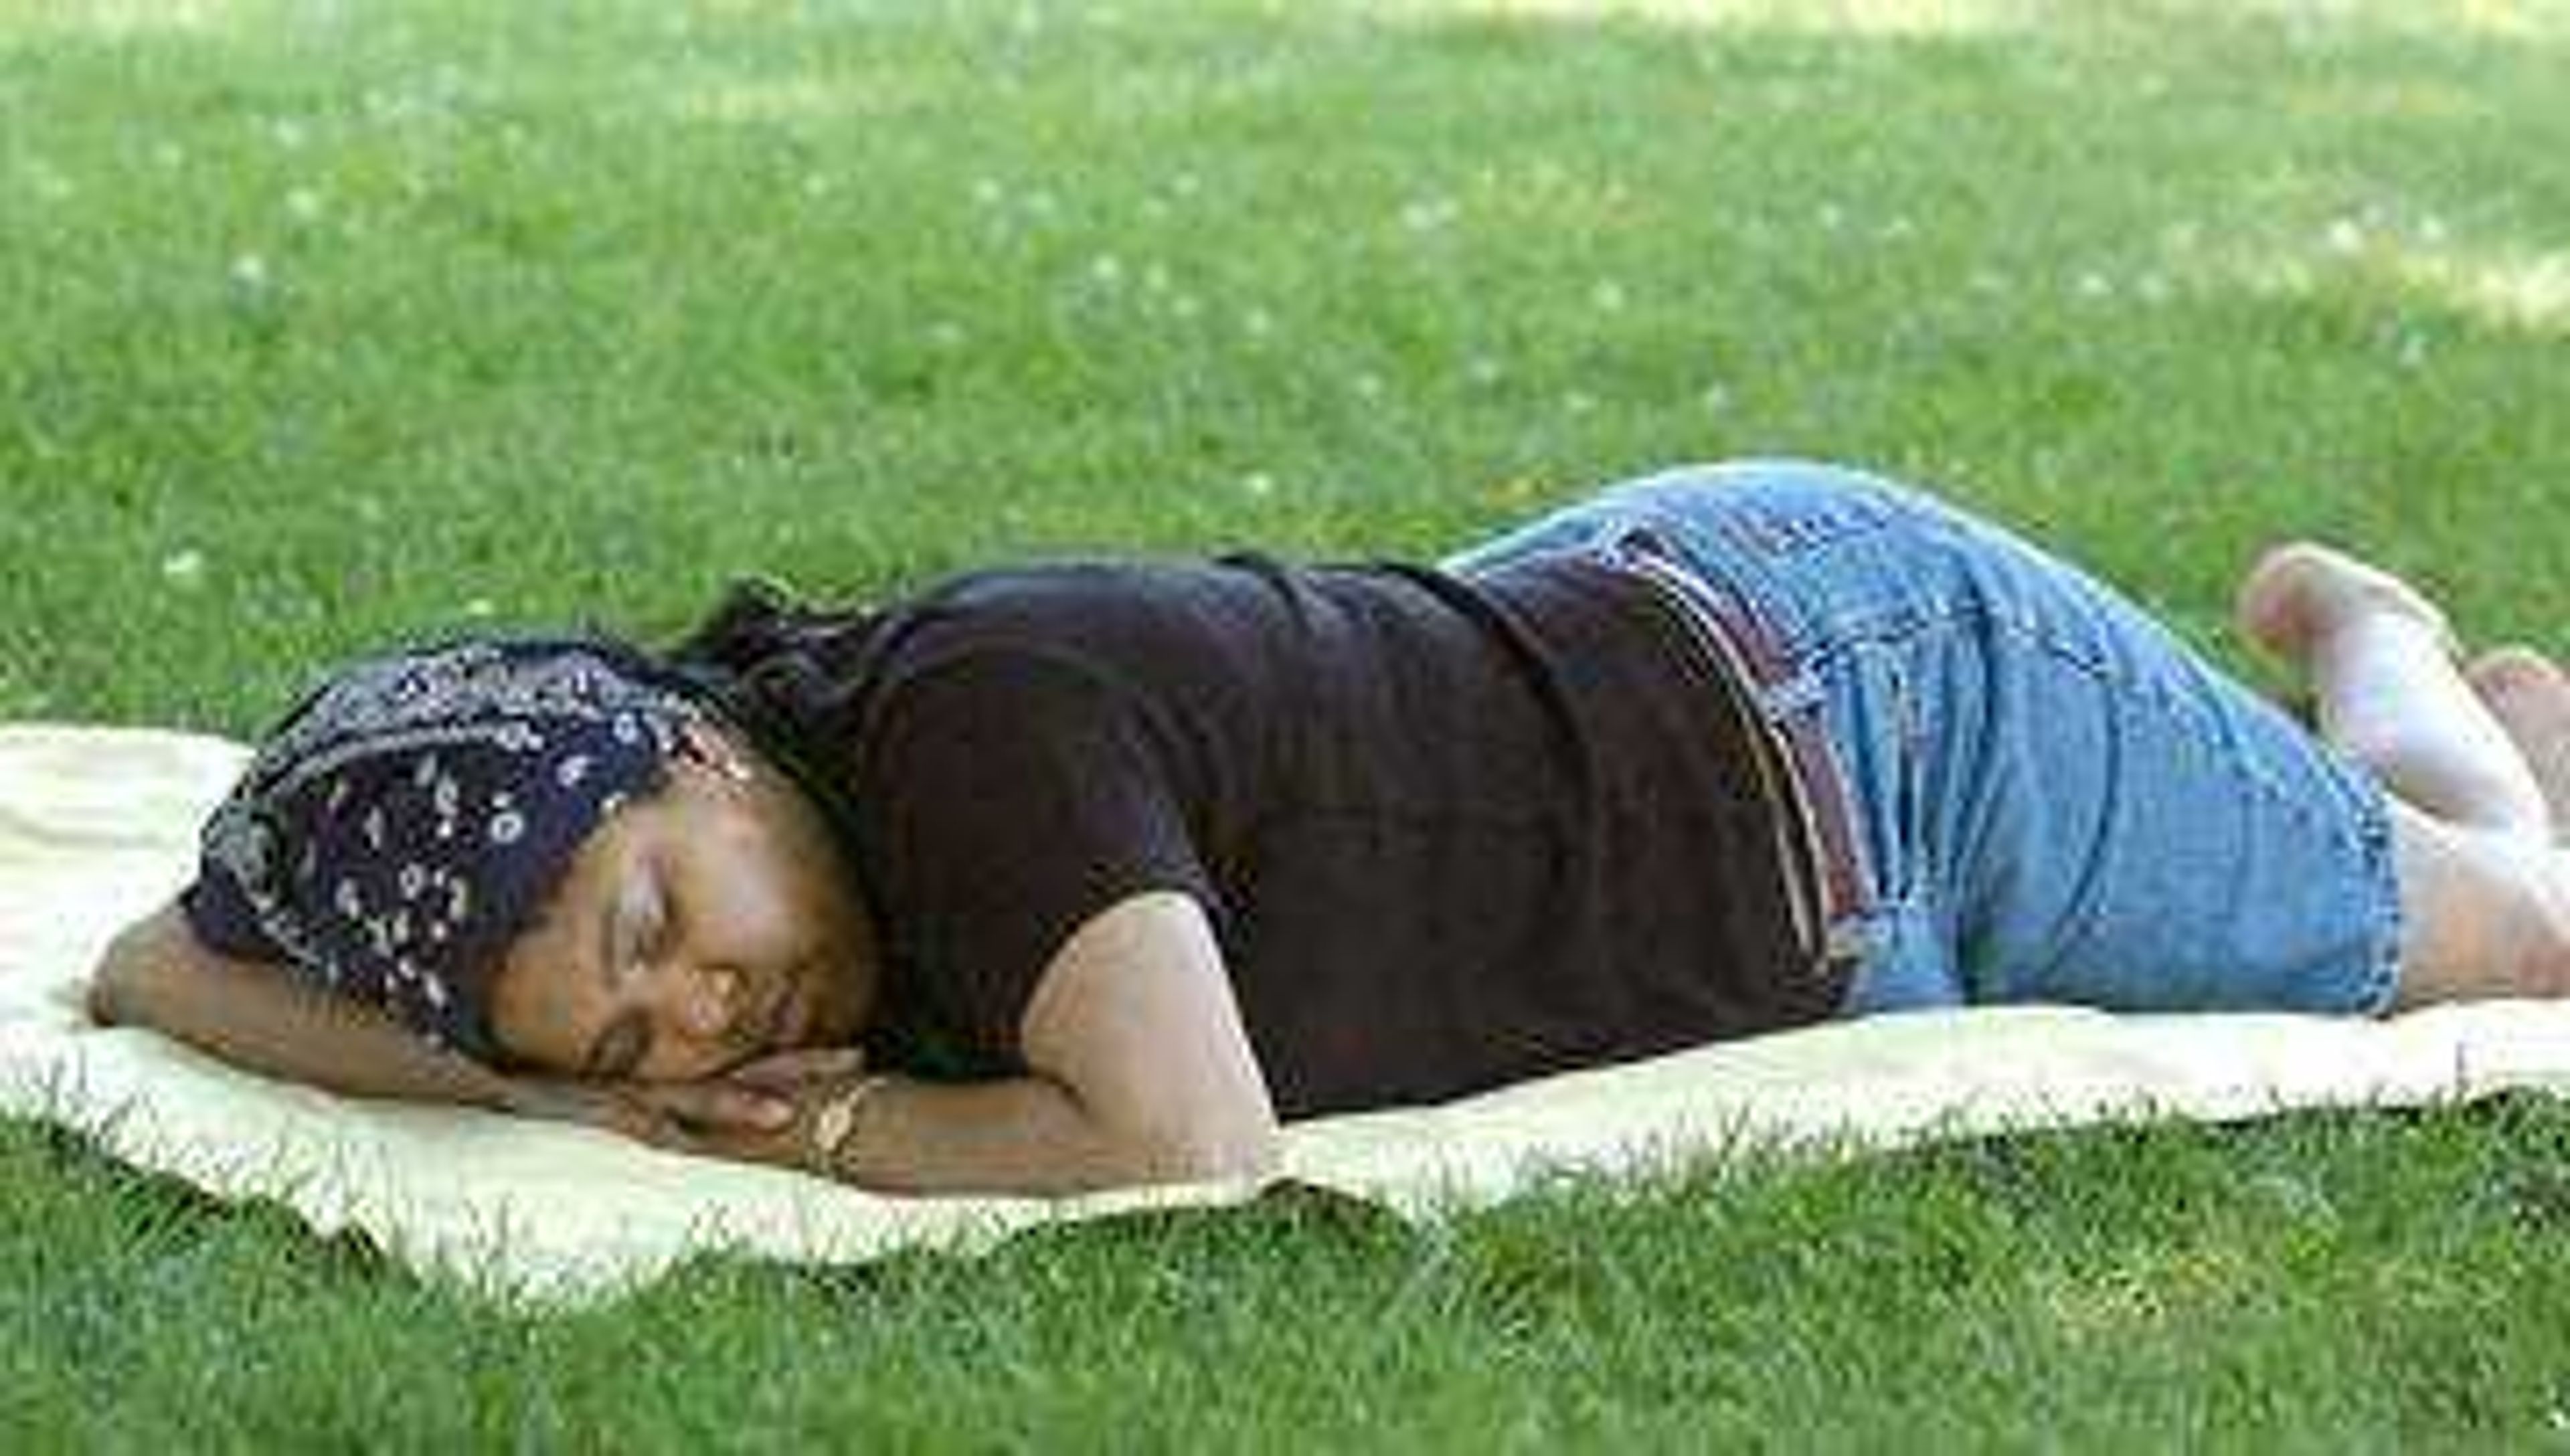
x=782, y=671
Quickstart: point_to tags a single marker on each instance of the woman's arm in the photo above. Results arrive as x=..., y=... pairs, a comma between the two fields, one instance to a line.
x=260, y=1018
x=257, y=1016
x=1140, y=1069
x=1139, y=1072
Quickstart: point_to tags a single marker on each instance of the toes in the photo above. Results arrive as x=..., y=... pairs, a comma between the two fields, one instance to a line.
x=2273, y=604
x=2303, y=589
x=2514, y=671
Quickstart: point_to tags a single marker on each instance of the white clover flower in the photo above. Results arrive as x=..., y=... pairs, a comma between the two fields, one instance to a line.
x=184, y=567
x=250, y=270
x=304, y=204
x=1426, y=215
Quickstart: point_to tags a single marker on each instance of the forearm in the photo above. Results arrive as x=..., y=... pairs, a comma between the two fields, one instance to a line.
x=260, y=1018
x=1024, y=1135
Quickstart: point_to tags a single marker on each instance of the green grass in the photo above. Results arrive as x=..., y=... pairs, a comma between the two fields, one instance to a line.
x=327, y=324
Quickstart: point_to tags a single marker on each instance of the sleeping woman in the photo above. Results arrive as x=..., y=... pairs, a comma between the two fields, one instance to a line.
x=1063, y=877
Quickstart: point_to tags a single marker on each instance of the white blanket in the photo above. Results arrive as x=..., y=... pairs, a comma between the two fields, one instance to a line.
x=97, y=826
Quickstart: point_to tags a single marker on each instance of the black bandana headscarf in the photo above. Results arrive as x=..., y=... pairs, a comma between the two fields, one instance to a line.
x=406, y=820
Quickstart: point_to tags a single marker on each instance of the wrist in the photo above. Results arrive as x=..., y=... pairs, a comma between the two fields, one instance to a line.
x=831, y=1143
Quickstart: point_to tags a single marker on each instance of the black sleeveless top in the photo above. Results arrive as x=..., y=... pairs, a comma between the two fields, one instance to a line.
x=1450, y=830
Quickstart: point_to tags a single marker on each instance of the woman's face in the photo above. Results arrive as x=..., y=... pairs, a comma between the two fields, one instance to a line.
x=707, y=924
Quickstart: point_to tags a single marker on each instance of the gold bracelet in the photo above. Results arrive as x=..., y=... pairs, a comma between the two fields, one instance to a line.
x=835, y=1125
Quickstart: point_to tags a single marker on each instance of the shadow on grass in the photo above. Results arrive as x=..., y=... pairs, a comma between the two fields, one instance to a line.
x=146, y=1199
x=1319, y=1221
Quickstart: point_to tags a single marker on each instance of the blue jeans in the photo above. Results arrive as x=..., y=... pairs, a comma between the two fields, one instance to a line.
x=2055, y=799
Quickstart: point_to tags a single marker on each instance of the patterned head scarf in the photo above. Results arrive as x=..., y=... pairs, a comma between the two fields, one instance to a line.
x=407, y=819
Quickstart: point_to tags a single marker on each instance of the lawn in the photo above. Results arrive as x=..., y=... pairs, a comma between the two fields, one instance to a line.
x=329, y=323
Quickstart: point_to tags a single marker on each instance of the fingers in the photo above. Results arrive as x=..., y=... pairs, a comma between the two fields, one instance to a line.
x=784, y=1071
x=728, y=1117
x=647, y=1125
x=715, y=1106
x=592, y=1104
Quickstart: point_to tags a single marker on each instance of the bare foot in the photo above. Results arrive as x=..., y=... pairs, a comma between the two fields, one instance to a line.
x=2530, y=694
x=2302, y=591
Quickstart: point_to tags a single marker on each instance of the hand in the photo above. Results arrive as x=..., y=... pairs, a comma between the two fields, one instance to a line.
x=786, y=1073
x=664, y=1114
x=806, y=1082
x=751, y=1112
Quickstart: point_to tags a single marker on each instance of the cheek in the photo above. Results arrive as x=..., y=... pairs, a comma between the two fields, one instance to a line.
x=537, y=1015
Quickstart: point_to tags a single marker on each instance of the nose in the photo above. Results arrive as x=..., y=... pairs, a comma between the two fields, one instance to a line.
x=708, y=1002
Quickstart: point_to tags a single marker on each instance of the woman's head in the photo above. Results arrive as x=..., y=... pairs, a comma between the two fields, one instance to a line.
x=692, y=930
x=423, y=831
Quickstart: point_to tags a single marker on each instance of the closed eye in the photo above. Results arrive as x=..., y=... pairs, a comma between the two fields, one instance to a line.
x=647, y=928
x=635, y=931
